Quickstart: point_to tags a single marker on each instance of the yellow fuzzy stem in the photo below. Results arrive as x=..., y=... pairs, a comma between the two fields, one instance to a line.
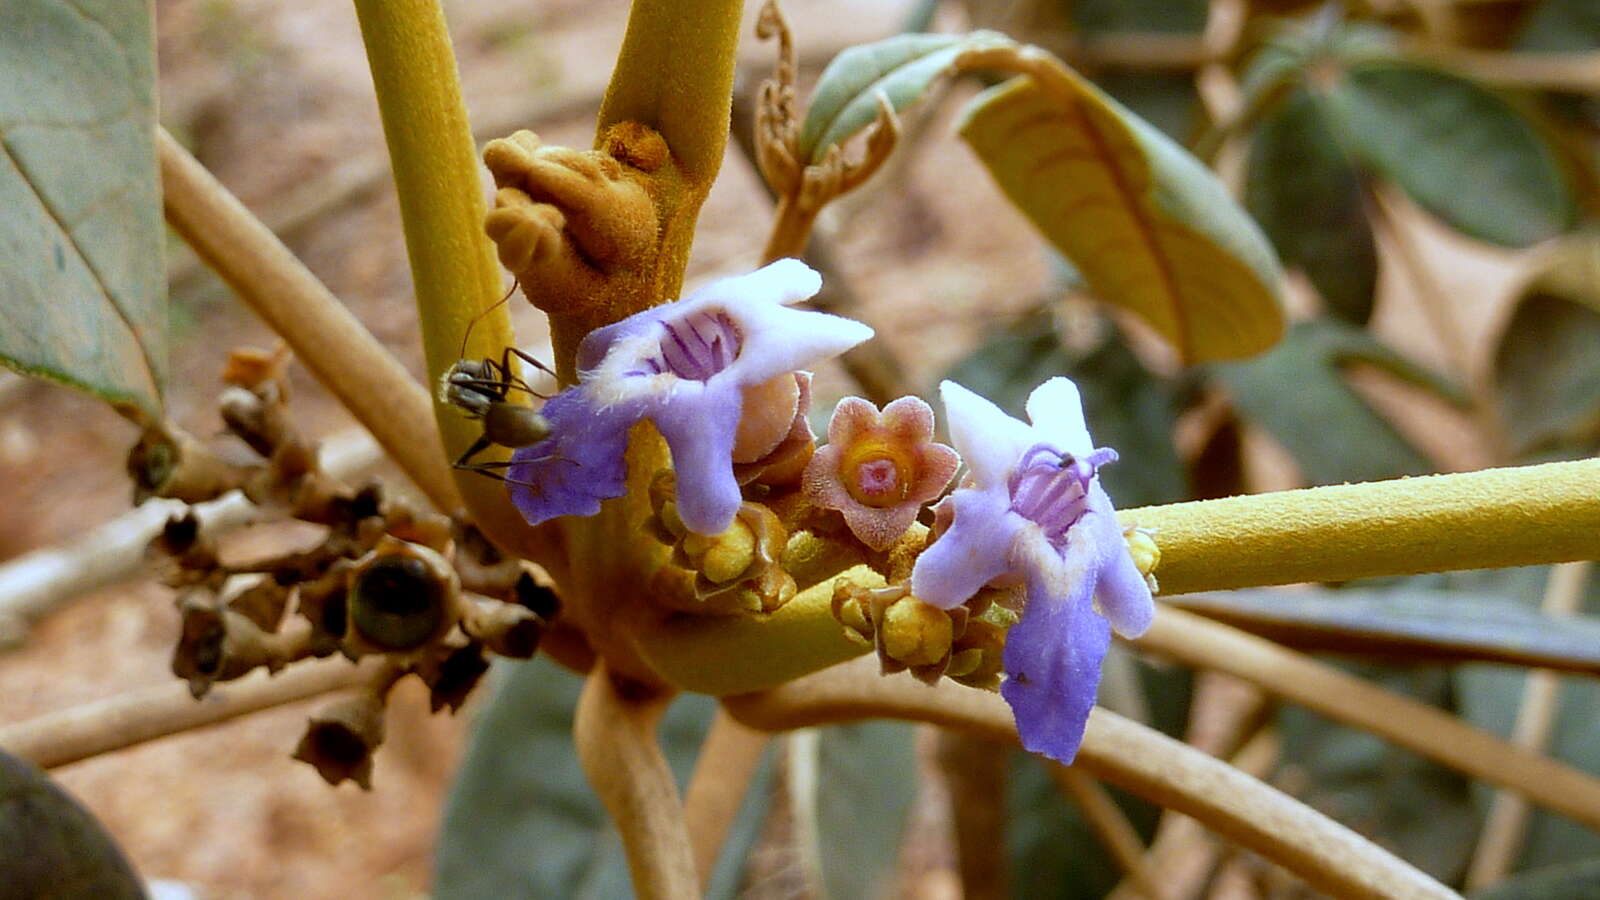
x=675, y=74
x=453, y=265
x=1478, y=520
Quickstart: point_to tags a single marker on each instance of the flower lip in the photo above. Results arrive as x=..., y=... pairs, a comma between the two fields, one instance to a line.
x=696, y=346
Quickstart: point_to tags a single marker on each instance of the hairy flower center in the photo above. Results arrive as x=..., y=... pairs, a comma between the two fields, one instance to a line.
x=697, y=346
x=876, y=475
x=1051, y=488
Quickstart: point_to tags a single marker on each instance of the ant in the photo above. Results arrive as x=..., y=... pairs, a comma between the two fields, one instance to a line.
x=479, y=389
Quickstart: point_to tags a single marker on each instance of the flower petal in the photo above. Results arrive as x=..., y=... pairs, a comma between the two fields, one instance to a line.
x=990, y=441
x=1056, y=410
x=699, y=423
x=975, y=549
x=778, y=339
x=909, y=420
x=1052, y=663
x=579, y=465
x=1120, y=592
x=878, y=528
x=783, y=282
x=852, y=417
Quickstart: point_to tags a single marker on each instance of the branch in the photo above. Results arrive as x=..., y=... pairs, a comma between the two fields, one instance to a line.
x=728, y=760
x=1182, y=851
x=1110, y=825
x=1134, y=757
x=36, y=584
x=615, y=732
x=675, y=74
x=1197, y=641
x=454, y=271
x=74, y=734
x=1528, y=515
x=341, y=353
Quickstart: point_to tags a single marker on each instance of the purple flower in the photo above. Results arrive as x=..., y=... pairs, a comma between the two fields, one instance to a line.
x=685, y=366
x=1036, y=513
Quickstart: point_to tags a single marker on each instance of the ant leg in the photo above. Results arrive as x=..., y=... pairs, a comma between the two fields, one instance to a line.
x=505, y=366
x=464, y=461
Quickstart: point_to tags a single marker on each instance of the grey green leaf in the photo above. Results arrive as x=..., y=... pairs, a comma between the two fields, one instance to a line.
x=902, y=68
x=1411, y=624
x=1547, y=360
x=1458, y=149
x=1307, y=195
x=852, y=787
x=1298, y=394
x=521, y=820
x=84, y=300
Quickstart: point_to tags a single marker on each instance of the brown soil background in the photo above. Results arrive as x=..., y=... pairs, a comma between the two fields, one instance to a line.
x=276, y=99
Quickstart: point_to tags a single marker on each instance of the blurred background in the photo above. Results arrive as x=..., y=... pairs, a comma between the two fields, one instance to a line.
x=1426, y=169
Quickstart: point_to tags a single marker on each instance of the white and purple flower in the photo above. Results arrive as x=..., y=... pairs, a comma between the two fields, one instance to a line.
x=686, y=367
x=1035, y=513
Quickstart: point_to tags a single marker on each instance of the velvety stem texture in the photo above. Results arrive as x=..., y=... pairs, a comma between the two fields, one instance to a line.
x=454, y=271
x=615, y=732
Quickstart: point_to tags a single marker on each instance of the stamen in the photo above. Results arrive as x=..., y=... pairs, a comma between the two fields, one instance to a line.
x=1050, y=488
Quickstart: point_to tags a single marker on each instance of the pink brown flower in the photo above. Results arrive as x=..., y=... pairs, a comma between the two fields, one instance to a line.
x=879, y=468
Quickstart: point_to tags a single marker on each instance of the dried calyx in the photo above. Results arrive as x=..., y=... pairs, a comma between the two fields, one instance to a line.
x=428, y=596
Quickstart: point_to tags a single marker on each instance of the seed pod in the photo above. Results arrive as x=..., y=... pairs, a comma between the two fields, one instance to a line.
x=400, y=597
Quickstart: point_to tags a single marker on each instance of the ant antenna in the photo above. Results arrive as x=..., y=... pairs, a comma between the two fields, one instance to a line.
x=474, y=323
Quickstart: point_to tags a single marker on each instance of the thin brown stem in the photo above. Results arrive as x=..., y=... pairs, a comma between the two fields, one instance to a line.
x=1183, y=851
x=1110, y=825
x=39, y=583
x=1507, y=821
x=1134, y=757
x=1197, y=641
x=728, y=760
x=135, y=717
x=975, y=770
x=615, y=732
x=338, y=350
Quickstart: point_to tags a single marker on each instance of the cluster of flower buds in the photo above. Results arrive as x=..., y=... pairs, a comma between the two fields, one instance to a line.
x=385, y=579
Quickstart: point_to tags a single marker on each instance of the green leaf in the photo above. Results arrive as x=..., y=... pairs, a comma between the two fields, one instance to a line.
x=1422, y=812
x=1410, y=623
x=1547, y=361
x=1150, y=228
x=81, y=234
x=521, y=820
x=1459, y=150
x=1126, y=407
x=1297, y=393
x=852, y=786
x=1307, y=195
x=52, y=847
x=903, y=68
x=1489, y=696
x=1562, y=26
x=1161, y=16
x=1054, y=853
x=1573, y=881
